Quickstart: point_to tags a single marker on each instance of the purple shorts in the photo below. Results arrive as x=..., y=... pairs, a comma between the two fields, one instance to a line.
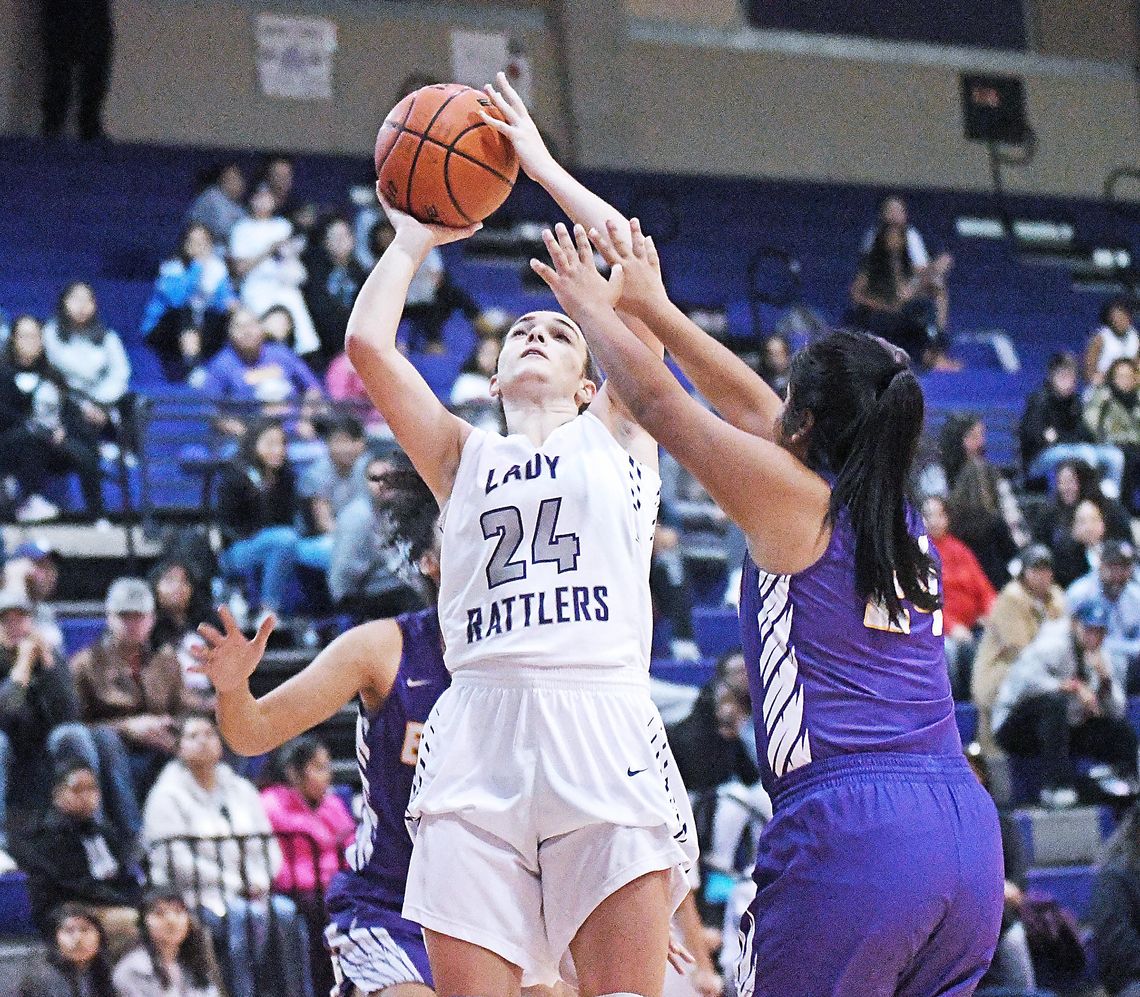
x=375, y=948
x=879, y=875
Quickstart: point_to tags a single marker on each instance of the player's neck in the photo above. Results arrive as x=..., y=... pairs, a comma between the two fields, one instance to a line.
x=537, y=419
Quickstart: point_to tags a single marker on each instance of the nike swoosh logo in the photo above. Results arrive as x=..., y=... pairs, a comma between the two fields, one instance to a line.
x=632, y=772
x=416, y=683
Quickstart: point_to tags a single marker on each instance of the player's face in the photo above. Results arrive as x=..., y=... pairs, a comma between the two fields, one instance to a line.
x=544, y=348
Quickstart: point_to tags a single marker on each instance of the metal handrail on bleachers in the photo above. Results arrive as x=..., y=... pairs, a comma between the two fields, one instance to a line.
x=183, y=448
x=293, y=846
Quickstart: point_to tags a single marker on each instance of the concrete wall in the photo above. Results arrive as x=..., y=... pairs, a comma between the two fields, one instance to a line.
x=708, y=97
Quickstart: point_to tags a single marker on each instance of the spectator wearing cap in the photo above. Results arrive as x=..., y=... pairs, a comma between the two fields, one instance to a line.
x=1053, y=429
x=967, y=594
x=127, y=687
x=1114, y=581
x=1064, y=698
x=34, y=567
x=1027, y=602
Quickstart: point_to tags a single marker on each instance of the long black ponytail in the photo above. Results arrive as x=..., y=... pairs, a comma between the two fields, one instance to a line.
x=866, y=409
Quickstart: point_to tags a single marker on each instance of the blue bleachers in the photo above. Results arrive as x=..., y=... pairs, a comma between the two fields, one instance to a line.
x=716, y=628
x=125, y=206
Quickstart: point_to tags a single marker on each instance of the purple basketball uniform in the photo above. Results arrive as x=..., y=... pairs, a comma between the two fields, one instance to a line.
x=371, y=944
x=881, y=870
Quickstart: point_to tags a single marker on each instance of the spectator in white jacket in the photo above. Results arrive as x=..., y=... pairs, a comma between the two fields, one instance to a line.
x=93, y=362
x=225, y=874
x=265, y=253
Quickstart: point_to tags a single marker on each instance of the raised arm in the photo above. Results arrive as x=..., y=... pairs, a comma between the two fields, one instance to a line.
x=361, y=661
x=739, y=395
x=585, y=208
x=778, y=502
x=431, y=436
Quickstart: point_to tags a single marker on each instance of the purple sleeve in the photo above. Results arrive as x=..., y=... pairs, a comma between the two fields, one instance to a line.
x=300, y=374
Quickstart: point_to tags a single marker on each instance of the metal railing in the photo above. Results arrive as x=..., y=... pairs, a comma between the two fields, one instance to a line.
x=232, y=876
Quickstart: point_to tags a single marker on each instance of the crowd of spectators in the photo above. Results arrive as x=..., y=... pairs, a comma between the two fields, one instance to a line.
x=1041, y=600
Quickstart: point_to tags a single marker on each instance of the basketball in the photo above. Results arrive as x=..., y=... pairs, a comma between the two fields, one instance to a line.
x=439, y=161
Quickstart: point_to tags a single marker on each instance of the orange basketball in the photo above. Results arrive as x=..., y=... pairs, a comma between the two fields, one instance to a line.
x=439, y=161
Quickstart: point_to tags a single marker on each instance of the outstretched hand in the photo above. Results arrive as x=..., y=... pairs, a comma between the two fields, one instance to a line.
x=574, y=278
x=422, y=233
x=517, y=125
x=229, y=659
x=643, y=292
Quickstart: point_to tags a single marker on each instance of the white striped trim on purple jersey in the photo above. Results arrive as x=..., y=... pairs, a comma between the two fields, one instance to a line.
x=369, y=959
x=782, y=703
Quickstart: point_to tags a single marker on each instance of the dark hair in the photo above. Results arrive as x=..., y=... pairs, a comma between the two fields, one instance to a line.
x=411, y=507
x=950, y=442
x=185, y=234
x=471, y=364
x=95, y=329
x=195, y=955
x=184, y=721
x=66, y=767
x=1121, y=301
x=212, y=175
x=292, y=755
x=1123, y=848
x=1115, y=366
x=1088, y=480
x=201, y=606
x=1061, y=359
x=254, y=431
x=877, y=265
x=866, y=410
x=340, y=422
x=98, y=970
x=291, y=339
x=43, y=365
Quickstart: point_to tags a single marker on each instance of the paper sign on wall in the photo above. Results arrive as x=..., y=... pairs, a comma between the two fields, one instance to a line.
x=476, y=56
x=295, y=56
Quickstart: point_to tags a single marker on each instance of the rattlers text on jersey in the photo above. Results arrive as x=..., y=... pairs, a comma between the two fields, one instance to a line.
x=546, y=552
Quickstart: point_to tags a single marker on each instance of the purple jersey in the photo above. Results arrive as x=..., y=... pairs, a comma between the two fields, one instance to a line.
x=387, y=747
x=831, y=675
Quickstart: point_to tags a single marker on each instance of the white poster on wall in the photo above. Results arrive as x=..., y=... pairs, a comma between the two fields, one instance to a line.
x=295, y=56
x=476, y=56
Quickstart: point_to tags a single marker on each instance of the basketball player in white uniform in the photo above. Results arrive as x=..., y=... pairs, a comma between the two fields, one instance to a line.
x=547, y=811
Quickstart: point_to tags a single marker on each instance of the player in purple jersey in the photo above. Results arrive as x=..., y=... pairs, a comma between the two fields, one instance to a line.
x=395, y=669
x=881, y=871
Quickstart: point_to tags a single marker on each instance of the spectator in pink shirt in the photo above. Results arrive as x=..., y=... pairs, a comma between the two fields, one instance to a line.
x=344, y=385
x=301, y=806
x=299, y=801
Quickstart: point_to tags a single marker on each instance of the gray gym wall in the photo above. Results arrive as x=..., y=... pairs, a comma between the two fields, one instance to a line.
x=663, y=85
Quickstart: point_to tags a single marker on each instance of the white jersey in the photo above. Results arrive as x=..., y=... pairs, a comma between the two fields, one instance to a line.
x=546, y=551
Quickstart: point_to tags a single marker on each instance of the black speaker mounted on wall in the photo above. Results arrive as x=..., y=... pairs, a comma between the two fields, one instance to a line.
x=993, y=108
